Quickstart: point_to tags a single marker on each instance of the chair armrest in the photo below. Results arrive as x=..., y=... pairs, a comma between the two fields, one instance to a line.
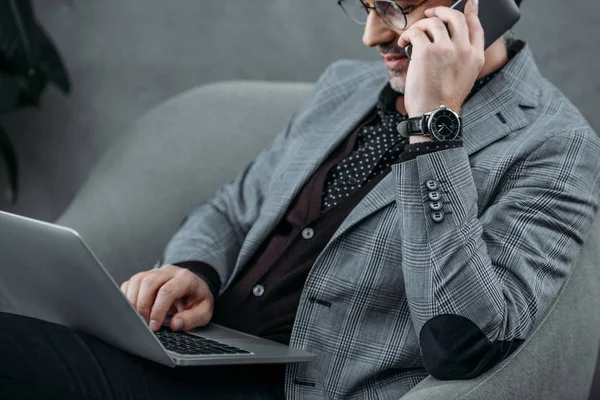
x=558, y=359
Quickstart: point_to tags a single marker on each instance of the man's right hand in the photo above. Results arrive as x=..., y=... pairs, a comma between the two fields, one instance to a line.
x=170, y=290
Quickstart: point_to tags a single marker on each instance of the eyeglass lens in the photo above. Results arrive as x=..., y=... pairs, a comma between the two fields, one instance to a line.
x=389, y=11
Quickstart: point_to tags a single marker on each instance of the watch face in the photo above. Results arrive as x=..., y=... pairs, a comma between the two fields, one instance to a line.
x=444, y=125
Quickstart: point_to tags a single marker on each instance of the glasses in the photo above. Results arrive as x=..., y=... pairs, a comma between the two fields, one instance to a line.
x=389, y=11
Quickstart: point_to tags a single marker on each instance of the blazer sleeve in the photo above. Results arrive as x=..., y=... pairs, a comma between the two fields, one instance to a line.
x=213, y=234
x=477, y=282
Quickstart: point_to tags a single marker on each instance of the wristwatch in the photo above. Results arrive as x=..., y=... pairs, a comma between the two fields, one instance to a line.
x=440, y=124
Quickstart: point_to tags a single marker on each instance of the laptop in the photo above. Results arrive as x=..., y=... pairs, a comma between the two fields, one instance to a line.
x=48, y=272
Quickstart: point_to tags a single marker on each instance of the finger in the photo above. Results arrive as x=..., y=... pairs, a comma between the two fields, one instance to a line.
x=179, y=306
x=197, y=316
x=124, y=287
x=416, y=37
x=173, y=290
x=435, y=29
x=133, y=287
x=455, y=21
x=476, y=34
x=148, y=289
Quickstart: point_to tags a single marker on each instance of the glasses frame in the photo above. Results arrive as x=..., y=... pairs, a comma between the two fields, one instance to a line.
x=368, y=8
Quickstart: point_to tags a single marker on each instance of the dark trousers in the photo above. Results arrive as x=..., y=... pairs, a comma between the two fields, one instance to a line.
x=41, y=360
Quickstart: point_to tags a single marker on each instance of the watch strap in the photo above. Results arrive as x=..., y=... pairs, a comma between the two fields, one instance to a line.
x=417, y=125
x=412, y=126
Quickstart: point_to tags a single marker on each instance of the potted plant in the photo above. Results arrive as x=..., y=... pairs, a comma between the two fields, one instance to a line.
x=29, y=61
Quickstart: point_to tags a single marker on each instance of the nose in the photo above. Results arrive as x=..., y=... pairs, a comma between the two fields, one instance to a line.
x=378, y=32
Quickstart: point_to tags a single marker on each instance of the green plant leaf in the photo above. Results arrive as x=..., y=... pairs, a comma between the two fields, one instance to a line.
x=9, y=93
x=32, y=87
x=49, y=62
x=17, y=25
x=26, y=49
x=9, y=155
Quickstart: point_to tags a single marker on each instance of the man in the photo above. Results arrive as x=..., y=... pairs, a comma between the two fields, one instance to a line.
x=390, y=256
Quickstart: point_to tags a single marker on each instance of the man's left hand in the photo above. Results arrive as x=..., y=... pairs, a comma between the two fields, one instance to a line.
x=443, y=69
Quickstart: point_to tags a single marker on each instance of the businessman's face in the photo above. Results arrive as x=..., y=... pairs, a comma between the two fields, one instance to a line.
x=380, y=35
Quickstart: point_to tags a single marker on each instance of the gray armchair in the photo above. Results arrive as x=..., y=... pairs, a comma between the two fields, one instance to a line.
x=183, y=150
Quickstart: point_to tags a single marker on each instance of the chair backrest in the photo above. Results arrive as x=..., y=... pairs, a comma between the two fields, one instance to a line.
x=175, y=158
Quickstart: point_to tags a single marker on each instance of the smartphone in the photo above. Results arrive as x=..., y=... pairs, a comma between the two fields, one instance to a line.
x=497, y=17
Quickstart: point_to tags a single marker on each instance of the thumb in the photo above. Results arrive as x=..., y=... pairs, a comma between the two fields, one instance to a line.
x=198, y=315
x=476, y=34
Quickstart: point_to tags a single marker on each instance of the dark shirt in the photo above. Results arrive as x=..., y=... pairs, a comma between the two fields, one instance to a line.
x=263, y=298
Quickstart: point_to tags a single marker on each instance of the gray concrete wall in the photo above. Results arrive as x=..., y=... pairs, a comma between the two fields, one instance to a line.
x=126, y=56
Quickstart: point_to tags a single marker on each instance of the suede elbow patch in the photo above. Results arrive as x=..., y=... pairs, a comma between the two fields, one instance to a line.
x=453, y=347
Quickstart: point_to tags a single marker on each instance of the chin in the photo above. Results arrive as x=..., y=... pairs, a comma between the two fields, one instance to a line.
x=397, y=81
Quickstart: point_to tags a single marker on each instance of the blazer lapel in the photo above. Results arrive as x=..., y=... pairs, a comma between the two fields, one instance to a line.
x=497, y=109
x=490, y=115
x=380, y=196
x=325, y=135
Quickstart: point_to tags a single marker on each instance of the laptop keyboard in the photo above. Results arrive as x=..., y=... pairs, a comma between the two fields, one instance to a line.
x=187, y=344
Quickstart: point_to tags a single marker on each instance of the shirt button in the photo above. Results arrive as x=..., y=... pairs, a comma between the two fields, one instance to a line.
x=258, y=290
x=352, y=181
x=308, y=233
x=431, y=184
x=434, y=196
x=435, y=205
x=437, y=216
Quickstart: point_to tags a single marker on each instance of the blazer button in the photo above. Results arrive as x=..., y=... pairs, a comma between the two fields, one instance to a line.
x=352, y=181
x=431, y=185
x=435, y=205
x=258, y=290
x=308, y=233
x=437, y=216
x=434, y=196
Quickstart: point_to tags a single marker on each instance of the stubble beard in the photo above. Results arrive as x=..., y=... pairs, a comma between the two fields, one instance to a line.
x=398, y=79
x=397, y=75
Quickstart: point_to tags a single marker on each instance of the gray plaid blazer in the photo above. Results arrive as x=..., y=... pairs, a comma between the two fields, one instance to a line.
x=518, y=200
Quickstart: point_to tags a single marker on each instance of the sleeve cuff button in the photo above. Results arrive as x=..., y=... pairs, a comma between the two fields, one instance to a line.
x=435, y=205
x=434, y=196
x=431, y=184
x=438, y=216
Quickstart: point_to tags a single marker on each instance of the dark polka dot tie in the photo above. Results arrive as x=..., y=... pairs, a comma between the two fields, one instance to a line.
x=378, y=145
